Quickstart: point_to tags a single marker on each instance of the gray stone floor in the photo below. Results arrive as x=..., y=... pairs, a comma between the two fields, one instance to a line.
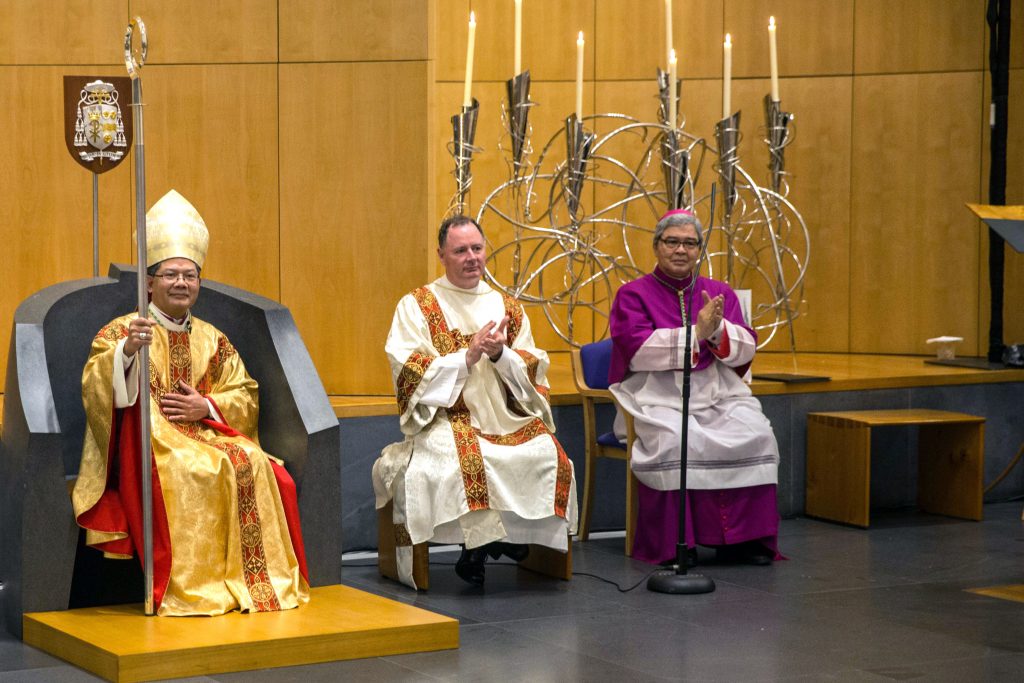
x=885, y=604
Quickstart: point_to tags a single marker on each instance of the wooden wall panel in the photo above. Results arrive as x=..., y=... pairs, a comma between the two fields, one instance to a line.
x=354, y=30
x=63, y=31
x=818, y=161
x=881, y=164
x=894, y=36
x=631, y=38
x=353, y=210
x=211, y=134
x=209, y=31
x=914, y=254
x=46, y=197
x=814, y=37
x=549, y=39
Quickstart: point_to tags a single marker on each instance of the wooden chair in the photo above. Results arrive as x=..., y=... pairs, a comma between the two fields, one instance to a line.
x=590, y=372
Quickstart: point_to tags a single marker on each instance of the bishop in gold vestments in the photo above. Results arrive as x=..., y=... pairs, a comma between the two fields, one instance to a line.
x=226, y=531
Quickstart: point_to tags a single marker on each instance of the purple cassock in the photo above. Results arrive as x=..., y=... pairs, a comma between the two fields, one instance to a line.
x=732, y=465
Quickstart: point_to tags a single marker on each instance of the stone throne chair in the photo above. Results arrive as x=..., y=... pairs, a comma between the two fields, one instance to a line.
x=43, y=564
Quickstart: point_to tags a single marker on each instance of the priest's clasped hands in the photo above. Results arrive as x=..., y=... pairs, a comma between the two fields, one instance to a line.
x=490, y=340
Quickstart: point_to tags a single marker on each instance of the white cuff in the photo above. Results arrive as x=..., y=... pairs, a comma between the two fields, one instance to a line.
x=126, y=377
x=446, y=385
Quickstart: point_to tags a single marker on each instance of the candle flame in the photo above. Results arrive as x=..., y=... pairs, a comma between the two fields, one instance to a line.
x=472, y=17
x=728, y=40
x=580, y=38
x=672, y=57
x=771, y=22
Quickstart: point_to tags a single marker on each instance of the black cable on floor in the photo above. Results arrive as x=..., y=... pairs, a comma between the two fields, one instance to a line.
x=511, y=564
x=617, y=586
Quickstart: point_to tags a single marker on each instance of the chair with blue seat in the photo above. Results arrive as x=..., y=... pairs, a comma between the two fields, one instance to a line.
x=590, y=372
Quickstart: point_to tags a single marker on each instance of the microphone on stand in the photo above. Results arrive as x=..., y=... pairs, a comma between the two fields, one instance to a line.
x=677, y=581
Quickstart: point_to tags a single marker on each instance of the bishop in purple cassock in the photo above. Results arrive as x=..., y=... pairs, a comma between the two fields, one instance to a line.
x=732, y=455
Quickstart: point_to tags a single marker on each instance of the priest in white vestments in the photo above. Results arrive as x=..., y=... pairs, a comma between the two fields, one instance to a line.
x=480, y=465
x=733, y=458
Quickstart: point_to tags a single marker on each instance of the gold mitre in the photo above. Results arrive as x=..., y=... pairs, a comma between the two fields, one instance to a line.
x=174, y=229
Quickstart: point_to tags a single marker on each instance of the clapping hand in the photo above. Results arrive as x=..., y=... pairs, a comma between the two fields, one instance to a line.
x=710, y=315
x=490, y=340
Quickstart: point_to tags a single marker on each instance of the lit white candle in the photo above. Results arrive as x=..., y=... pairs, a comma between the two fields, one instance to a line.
x=773, y=57
x=467, y=98
x=668, y=29
x=726, y=77
x=518, y=50
x=672, y=93
x=579, y=77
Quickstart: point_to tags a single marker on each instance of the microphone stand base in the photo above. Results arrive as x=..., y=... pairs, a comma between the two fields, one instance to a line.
x=669, y=581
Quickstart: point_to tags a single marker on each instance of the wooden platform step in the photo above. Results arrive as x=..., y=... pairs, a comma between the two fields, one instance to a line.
x=120, y=643
x=1014, y=592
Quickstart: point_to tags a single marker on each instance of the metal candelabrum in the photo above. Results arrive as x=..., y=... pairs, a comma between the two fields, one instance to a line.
x=461, y=148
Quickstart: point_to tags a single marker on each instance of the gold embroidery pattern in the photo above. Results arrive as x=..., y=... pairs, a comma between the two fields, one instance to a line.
x=515, y=323
x=180, y=355
x=254, y=559
x=402, y=537
x=532, y=365
x=515, y=318
x=180, y=368
x=113, y=332
x=444, y=341
x=467, y=446
x=532, y=430
x=563, y=476
x=225, y=350
x=412, y=372
x=471, y=460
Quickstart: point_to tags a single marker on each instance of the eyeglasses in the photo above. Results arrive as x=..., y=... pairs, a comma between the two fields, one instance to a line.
x=170, y=277
x=672, y=243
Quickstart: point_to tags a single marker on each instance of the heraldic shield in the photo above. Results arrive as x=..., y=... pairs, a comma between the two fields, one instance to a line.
x=98, y=132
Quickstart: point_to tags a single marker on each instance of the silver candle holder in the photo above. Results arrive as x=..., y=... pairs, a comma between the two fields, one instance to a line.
x=727, y=134
x=778, y=135
x=578, y=143
x=675, y=159
x=516, y=116
x=461, y=148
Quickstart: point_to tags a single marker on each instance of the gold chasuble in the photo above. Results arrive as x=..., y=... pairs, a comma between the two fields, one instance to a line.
x=225, y=516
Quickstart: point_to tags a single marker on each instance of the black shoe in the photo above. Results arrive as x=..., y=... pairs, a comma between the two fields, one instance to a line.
x=470, y=565
x=750, y=552
x=517, y=552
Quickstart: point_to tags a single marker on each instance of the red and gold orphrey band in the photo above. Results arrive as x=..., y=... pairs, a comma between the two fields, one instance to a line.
x=254, y=560
x=409, y=378
x=563, y=477
x=467, y=439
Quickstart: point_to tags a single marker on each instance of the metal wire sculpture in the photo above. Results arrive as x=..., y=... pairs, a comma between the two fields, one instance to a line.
x=566, y=230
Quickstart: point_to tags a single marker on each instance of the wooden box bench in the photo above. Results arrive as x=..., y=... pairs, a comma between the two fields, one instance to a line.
x=541, y=559
x=951, y=453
